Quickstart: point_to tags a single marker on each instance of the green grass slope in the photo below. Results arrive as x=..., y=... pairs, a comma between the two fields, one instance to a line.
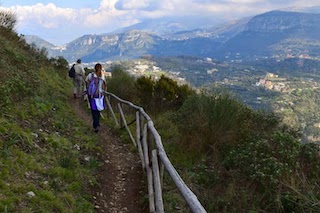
x=43, y=144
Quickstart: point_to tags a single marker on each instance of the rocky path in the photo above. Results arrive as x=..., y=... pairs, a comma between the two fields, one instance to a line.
x=120, y=177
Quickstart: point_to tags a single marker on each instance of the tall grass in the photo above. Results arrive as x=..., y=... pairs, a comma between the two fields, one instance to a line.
x=39, y=134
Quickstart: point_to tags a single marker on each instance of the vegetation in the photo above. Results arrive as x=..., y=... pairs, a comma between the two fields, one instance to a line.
x=42, y=165
x=234, y=158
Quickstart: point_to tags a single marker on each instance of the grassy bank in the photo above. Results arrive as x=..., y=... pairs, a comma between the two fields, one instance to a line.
x=43, y=145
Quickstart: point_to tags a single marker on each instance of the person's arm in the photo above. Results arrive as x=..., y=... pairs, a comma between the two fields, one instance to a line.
x=102, y=86
x=82, y=70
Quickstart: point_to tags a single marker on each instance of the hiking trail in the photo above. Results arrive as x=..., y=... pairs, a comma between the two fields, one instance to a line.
x=121, y=182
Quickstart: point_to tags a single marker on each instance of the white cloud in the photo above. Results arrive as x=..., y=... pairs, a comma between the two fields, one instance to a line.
x=133, y=4
x=48, y=16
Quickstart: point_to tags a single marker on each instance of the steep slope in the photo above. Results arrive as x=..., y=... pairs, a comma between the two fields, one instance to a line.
x=50, y=160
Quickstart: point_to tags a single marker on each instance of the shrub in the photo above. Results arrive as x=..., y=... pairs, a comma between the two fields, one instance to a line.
x=168, y=95
x=7, y=19
x=145, y=89
x=122, y=84
x=209, y=122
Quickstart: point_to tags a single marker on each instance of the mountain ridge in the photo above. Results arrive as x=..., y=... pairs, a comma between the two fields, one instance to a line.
x=260, y=36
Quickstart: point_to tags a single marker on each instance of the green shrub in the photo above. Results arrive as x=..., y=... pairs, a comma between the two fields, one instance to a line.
x=122, y=84
x=145, y=90
x=209, y=122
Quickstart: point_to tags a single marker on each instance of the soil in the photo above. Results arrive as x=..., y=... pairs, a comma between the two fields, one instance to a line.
x=121, y=181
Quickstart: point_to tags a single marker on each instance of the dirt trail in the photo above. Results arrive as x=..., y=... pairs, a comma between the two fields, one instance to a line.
x=120, y=177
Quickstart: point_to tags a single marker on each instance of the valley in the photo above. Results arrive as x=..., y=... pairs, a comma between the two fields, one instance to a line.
x=283, y=89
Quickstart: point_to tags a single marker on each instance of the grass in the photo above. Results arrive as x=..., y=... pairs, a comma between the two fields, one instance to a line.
x=42, y=142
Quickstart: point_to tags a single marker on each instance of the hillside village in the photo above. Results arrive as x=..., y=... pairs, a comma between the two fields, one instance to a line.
x=274, y=82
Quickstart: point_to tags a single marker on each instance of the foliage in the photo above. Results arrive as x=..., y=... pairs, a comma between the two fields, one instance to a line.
x=7, y=19
x=210, y=121
x=59, y=62
x=37, y=151
x=161, y=95
x=122, y=84
x=168, y=95
x=245, y=156
x=145, y=88
x=222, y=147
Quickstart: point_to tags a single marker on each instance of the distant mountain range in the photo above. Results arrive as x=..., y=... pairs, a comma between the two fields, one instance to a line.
x=273, y=34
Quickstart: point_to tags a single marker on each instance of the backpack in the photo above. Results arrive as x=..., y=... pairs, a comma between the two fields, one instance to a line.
x=93, y=87
x=72, y=72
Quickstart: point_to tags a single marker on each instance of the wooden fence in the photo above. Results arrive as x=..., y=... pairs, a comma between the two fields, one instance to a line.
x=153, y=157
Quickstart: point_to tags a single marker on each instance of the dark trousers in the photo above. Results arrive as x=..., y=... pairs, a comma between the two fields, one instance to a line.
x=95, y=115
x=96, y=118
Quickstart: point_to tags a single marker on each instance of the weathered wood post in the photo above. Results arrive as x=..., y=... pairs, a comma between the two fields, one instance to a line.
x=148, y=169
x=120, y=120
x=111, y=110
x=138, y=131
x=124, y=122
x=156, y=182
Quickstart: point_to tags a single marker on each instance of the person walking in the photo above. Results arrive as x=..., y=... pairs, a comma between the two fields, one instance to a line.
x=78, y=79
x=96, y=85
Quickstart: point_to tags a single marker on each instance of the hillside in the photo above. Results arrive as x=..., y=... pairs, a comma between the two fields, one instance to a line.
x=50, y=160
x=275, y=34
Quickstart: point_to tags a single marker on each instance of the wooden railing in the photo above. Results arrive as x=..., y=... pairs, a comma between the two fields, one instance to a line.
x=152, y=154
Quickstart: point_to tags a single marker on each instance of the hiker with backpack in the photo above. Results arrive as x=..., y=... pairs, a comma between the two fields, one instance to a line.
x=79, y=74
x=96, y=85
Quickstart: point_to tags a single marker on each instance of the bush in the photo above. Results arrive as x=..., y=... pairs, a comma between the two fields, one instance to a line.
x=7, y=19
x=209, y=122
x=162, y=95
x=122, y=84
x=145, y=89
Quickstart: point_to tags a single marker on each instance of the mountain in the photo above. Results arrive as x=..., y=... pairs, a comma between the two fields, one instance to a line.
x=52, y=50
x=170, y=25
x=276, y=32
x=133, y=44
x=38, y=41
x=279, y=34
x=221, y=33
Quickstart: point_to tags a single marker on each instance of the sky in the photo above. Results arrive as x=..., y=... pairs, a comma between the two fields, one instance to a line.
x=61, y=21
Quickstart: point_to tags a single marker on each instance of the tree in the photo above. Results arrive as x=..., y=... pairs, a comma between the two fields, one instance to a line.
x=145, y=89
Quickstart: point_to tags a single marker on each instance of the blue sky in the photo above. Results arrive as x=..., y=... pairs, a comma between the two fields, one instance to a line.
x=61, y=21
x=59, y=3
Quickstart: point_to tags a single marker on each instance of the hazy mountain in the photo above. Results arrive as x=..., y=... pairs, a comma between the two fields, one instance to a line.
x=266, y=34
x=169, y=25
x=38, y=41
x=220, y=33
x=314, y=9
x=280, y=33
x=131, y=44
x=134, y=44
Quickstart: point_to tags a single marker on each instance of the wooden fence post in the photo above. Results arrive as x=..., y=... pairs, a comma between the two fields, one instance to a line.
x=148, y=169
x=124, y=122
x=112, y=112
x=156, y=182
x=120, y=120
x=138, y=129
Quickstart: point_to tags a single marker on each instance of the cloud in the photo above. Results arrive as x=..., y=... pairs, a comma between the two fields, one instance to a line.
x=47, y=16
x=133, y=4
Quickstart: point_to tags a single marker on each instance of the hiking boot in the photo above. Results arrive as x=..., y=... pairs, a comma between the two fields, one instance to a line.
x=74, y=96
x=96, y=129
